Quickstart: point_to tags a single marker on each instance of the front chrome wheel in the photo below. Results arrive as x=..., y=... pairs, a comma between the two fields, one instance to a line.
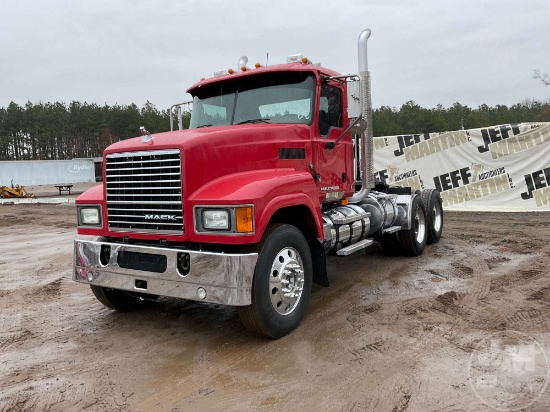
x=286, y=283
x=282, y=282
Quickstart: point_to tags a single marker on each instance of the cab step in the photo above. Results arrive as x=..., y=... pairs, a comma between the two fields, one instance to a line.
x=391, y=229
x=348, y=250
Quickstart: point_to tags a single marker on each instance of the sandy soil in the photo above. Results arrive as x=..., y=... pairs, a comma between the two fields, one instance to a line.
x=465, y=327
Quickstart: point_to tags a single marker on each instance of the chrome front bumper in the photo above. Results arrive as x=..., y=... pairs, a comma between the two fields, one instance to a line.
x=226, y=278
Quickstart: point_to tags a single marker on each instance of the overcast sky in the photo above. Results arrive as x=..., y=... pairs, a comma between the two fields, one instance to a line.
x=133, y=51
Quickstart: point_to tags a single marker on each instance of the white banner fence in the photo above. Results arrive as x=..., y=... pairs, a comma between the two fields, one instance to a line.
x=498, y=168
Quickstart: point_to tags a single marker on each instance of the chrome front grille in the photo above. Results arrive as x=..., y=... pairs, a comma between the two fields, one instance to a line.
x=144, y=192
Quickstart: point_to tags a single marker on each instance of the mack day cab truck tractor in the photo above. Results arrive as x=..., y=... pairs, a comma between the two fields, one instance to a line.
x=274, y=174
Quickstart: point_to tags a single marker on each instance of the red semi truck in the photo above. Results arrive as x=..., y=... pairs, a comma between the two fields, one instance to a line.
x=242, y=209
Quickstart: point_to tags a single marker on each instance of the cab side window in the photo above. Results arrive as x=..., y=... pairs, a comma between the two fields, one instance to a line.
x=330, y=109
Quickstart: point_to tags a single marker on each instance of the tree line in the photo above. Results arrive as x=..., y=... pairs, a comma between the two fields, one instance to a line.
x=56, y=131
x=412, y=118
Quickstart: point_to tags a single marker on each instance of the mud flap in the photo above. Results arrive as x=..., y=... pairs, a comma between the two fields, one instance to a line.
x=319, y=261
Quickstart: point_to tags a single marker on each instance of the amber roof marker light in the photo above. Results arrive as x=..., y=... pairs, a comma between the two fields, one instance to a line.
x=242, y=63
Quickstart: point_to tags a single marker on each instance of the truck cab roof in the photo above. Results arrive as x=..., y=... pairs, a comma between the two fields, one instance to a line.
x=287, y=67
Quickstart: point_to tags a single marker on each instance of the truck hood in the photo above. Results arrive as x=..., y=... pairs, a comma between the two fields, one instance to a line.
x=211, y=152
x=207, y=135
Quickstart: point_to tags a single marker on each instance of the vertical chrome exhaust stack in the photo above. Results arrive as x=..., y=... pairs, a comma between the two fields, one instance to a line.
x=367, y=168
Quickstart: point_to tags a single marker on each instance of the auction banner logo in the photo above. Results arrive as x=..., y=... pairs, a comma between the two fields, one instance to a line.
x=507, y=139
x=468, y=183
x=417, y=146
x=538, y=187
x=380, y=143
x=392, y=177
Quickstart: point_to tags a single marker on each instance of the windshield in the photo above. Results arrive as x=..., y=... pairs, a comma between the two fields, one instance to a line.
x=269, y=98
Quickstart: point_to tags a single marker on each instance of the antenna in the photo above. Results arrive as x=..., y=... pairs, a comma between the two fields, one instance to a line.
x=267, y=59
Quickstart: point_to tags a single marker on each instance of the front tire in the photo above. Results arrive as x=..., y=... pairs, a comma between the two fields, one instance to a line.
x=282, y=283
x=121, y=300
x=413, y=241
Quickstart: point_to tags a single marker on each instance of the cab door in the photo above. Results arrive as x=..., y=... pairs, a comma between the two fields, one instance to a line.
x=334, y=167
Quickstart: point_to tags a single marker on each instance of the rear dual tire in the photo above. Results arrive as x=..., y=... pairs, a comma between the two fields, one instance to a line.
x=409, y=242
x=413, y=240
x=434, y=214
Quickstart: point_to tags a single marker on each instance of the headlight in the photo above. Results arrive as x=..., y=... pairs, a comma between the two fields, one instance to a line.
x=226, y=219
x=215, y=219
x=89, y=216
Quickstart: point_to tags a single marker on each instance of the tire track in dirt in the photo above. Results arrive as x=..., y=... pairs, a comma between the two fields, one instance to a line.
x=521, y=285
x=408, y=350
x=477, y=269
x=386, y=335
x=354, y=355
x=352, y=346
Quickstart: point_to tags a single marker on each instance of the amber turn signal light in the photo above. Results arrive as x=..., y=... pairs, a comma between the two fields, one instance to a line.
x=243, y=219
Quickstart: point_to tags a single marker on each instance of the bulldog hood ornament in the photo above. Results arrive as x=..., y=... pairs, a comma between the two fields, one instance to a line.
x=145, y=135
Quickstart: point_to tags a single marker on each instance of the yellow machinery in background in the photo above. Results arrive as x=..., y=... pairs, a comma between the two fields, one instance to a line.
x=14, y=191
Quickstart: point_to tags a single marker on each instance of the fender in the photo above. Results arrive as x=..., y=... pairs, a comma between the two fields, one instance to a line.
x=294, y=199
x=93, y=195
x=268, y=190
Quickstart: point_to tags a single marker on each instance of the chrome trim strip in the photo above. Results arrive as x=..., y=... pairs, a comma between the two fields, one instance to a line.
x=143, y=230
x=133, y=181
x=143, y=175
x=148, y=195
x=168, y=223
x=148, y=202
x=227, y=278
x=149, y=167
x=144, y=153
x=147, y=187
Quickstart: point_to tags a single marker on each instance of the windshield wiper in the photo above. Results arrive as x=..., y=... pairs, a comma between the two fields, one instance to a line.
x=254, y=121
x=204, y=125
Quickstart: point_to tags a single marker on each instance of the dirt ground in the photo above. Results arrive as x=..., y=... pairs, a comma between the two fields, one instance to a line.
x=464, y=327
